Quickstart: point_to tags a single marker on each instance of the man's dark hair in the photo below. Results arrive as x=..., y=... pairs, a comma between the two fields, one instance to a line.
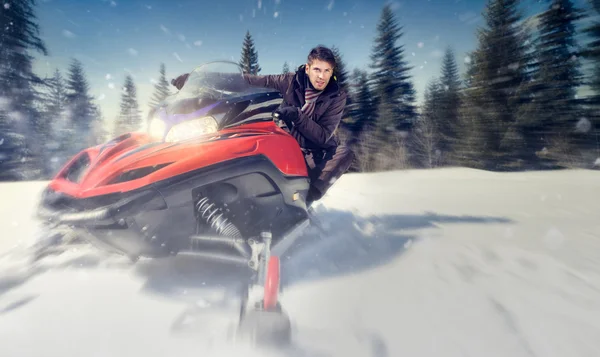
x=322, y=53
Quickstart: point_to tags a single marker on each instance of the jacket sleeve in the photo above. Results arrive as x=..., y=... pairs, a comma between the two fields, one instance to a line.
x=321, y=130
x=279, y=82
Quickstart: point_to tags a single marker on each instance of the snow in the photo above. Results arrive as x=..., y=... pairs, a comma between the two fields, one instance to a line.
x=446, y=262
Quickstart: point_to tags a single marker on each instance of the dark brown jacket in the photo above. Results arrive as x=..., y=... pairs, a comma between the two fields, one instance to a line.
x=316, y=131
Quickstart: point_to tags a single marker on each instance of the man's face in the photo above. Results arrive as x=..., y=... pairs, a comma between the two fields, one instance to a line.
x=319, y=73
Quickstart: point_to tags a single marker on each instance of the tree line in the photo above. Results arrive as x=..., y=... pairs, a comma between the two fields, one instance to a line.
x=517, y=106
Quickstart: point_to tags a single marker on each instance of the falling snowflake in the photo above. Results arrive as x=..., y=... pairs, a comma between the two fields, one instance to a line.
x=132, y=52
x=330, y=5
x=108, y=76
x=198, y=43
x=68, y=34
x=7, y=6
x=467, y=59
x=111, y=85
x=276, y=14
x=420, y=44
x=583, y=126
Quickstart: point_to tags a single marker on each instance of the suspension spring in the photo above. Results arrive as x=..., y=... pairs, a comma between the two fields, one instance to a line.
x=216, y=219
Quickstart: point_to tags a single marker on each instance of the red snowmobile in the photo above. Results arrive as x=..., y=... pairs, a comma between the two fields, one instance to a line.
x=214, y=176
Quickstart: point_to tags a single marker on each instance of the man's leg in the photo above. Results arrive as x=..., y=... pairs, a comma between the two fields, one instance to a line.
x=330, y=168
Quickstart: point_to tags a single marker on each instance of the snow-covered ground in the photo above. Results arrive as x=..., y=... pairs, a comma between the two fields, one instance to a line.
x=450, y=262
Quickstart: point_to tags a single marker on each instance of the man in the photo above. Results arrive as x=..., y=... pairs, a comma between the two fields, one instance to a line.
x=312, y=108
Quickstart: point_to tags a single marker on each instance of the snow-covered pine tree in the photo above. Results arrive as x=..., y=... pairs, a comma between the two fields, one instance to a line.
x=130, y=118
x=20, y=147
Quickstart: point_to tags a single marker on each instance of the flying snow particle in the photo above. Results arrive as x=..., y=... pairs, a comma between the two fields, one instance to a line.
x=132, y=52
x=597, y=162
x=259, y=4
x=68, y=34
x=420, y=44
x=413, y=54
x=113, y=3
x=181, y=37
x=583, y=126
x=149, y=7
x=164, y=29
x=7, y=6
x=1, y=141
x=101, y=96
x=467, y=59
x=108, y=76
x=330, y=5
x=198, y=43
x=554, y=238
x=111, y=85
x=345, y=14
x=276, y=14
x=177, y=56
x=4, y=103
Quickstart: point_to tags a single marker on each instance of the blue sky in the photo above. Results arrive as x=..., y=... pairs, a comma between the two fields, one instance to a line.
x=116, y=37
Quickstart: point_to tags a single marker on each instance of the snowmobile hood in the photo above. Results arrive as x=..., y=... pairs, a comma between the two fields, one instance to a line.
x=135, y=160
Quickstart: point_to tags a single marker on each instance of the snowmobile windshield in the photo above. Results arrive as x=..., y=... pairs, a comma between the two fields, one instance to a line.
x=217, y=81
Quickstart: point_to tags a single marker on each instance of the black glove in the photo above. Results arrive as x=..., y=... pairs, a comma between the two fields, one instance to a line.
x=180, y=81
x=289, y=115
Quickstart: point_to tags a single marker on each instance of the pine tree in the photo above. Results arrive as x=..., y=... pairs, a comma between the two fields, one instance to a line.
x=448, y=103
x=130, y=117
x=249, y=60
x=161, y=88
x=59, y=137
x=361, y=109
x=286, y=68
x=427, y=135
x=80, y=106
x=554, y=109
x=393, y=89
x=591, y=52
x=491, y=134
x=19, y=35
x=340, y=72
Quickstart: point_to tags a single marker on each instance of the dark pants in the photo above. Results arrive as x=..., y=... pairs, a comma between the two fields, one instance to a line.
x=325, y=167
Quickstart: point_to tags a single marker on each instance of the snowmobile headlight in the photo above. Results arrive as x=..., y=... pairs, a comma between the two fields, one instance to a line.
x=157, y=128
x=191, y=129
